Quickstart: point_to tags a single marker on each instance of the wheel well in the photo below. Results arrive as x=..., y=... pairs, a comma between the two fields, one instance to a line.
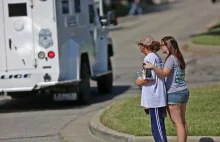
x=85, y=59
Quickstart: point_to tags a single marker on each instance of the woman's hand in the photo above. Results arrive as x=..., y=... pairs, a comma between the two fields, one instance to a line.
x=148, y=65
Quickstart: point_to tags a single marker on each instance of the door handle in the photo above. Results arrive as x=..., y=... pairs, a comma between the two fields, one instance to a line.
x=10, y=43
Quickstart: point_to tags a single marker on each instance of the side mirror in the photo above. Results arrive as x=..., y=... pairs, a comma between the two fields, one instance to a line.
x=111, y=18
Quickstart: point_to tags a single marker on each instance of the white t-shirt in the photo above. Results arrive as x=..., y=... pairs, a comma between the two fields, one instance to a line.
x=154, y=94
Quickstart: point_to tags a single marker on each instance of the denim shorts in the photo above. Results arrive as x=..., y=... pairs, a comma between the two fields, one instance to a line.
x=179, y=97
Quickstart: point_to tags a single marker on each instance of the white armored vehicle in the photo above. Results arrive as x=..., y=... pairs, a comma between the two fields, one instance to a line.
x=55, y=45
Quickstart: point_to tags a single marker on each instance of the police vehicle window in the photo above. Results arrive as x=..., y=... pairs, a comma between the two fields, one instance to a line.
x=91, y=14
x=18, y=9
x=65, y=6
x=77, y=6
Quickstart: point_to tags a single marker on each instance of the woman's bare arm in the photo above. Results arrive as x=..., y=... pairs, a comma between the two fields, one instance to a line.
x=161, y=73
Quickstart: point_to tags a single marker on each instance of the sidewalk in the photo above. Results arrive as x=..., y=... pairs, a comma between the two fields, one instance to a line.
x=70, y=134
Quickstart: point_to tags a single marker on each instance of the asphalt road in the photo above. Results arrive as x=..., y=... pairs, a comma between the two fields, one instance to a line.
x=38, y=119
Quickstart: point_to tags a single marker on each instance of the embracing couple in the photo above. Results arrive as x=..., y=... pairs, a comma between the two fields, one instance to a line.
x=164, y=90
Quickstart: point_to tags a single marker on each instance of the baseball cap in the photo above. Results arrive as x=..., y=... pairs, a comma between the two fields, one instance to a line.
x=146, y=40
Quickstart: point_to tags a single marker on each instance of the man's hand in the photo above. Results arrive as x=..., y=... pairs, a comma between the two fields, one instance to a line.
x=139, y=82
x=143, y=82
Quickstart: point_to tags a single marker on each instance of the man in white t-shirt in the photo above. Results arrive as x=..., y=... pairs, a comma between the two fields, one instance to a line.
x=153, y=97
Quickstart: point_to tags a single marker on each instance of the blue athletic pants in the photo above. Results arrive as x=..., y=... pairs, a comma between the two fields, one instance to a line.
x=157, y=123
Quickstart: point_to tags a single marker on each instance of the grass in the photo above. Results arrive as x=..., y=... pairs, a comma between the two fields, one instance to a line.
x=203, y=115
x=210, y=37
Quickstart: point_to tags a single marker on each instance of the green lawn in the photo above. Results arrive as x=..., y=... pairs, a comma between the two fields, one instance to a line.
x=210, y=37
x=203, y=115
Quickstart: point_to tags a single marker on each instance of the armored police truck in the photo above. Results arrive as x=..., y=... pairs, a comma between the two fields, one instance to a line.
x=55, y=46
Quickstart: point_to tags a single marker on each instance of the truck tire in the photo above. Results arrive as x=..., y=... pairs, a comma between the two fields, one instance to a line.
x=105, y=82
x=84, y=86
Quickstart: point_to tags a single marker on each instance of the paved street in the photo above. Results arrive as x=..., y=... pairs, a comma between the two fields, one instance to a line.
x=38, y=119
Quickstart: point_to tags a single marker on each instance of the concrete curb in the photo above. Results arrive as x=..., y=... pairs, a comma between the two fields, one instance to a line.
x=109, y=135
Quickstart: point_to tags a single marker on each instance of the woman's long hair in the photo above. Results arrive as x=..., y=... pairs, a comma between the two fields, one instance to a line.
x=173, y=49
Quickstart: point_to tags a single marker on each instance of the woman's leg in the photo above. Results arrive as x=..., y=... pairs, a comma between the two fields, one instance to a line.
x=183, y=115
x=175, y=113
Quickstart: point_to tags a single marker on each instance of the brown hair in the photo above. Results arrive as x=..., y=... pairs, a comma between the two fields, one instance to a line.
x=173, y=49
x=154, y=47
